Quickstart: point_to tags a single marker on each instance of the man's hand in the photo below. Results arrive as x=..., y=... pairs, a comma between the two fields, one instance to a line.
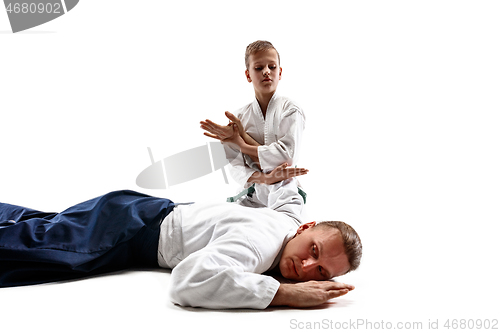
x=279, y=174
x=307, y=294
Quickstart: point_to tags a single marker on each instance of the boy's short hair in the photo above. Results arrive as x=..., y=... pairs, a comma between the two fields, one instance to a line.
x=257, y=46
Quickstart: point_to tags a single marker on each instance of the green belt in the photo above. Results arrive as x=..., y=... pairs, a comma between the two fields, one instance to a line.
x=249, y=192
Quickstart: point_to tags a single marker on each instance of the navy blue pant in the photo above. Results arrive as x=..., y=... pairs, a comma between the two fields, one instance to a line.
x=112, y=232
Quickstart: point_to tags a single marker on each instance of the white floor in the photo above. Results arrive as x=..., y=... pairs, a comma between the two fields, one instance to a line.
x=419, y=266
x=401, y=141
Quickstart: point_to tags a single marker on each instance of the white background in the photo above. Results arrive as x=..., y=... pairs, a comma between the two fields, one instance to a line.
x=402, y=142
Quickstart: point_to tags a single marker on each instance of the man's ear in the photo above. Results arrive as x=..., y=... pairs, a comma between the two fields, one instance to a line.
x=247, y=74
x=305, y=227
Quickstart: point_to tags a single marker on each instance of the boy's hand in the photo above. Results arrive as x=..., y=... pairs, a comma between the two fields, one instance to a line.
x=235, y=120
x=283, y=173
x=217, y=131
x=224, y=133
x=279, y=174
x=235, y=137
x=244, y=135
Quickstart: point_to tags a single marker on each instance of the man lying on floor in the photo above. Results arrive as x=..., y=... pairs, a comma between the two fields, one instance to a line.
x=217, y=252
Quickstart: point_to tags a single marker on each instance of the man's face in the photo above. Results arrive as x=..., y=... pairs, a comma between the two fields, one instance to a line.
x=264, y=71
x=314, y=254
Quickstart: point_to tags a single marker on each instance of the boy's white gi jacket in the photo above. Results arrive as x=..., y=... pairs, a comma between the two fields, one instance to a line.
x=218, y=252
x=280, y=134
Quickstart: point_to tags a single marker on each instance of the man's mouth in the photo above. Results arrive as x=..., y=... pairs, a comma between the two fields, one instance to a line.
x=295, y=268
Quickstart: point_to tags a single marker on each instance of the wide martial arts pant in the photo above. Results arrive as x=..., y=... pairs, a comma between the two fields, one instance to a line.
x=116, y=231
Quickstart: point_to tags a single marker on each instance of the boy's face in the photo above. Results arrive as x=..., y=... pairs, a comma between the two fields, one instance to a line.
x=264, y=71
x=314, y=254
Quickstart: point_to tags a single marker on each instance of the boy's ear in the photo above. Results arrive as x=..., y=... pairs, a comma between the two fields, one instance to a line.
x=247, y=74
x=281, y=69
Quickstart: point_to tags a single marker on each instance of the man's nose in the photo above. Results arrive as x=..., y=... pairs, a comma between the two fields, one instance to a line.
x=308, y=265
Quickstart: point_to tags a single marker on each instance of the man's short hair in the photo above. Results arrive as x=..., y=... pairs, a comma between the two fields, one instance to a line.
x=352, y=243
x=257, y=46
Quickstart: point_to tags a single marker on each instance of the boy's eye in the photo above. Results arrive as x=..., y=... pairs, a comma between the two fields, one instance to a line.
x=315, y=250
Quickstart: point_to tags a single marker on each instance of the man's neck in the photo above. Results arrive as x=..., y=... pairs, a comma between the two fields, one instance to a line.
x=275, y=272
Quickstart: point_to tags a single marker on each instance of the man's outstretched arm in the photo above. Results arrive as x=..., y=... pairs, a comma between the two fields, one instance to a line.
x=307, y=294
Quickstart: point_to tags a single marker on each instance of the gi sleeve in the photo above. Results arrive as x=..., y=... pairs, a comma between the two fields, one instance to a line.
x=240, y=170
x=287, y=141
x=222, y=276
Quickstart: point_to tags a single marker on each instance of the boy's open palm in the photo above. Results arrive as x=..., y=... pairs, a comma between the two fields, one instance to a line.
x=217, y=131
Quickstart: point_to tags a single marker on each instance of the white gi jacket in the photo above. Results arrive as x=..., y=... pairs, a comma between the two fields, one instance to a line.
x=280, y=134
x=218, y=252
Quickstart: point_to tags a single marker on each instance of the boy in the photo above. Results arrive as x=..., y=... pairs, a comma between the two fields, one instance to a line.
x=263, y=137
